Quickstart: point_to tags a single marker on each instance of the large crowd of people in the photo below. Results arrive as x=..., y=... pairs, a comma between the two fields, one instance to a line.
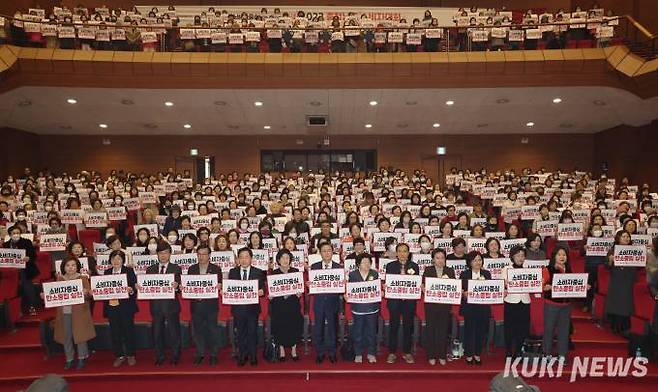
x=387, y=222
x=271, y=30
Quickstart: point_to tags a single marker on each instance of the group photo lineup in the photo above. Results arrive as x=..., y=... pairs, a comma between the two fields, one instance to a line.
x=353, y=195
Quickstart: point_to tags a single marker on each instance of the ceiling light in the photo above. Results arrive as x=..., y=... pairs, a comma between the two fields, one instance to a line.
x=194, y=152
x=368, y=125
x=267, y=127
x=557, y=100
x=450, y=103
x=72, y=101
x=168, y=103
x=102, y=125
x=530, y=124
x=187, y=126
x=502, y=100
x=258, y=103
x=127, y=102
x=411, y=103
x=436, y=125
x=220, y=103
x=315, y=103
x=373, y=103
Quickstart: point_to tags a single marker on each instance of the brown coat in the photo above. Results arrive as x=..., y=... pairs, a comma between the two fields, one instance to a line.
x=83, y=325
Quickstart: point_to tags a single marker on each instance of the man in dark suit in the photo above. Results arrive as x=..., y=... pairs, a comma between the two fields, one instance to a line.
x=121, y=313
x=325, y=309
x=204, y=311
x=401, y=308
x=166, y=310
x=30, y=298
x=246, y=316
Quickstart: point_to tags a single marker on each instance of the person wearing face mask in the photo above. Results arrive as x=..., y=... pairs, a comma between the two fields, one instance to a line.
x=401, y=309
x=325, y=234
x=151, y=246
x=425, y=244
x=517, y=309
x=172, y=237
x=438, y=315
x=142, y=237
x=592, y=264
x=29, y=298
x=243, y=225
x=173, y=221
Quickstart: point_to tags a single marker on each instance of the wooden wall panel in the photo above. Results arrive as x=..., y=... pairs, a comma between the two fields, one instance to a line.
x=629, y=151
x=19, y=150
x=242, y=153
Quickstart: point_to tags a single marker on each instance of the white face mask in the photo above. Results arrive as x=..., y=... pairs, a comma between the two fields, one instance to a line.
x=391, y=248
x=597, y=233
x=425, y=246
x=292, y=234
x=152, y=247
x=172, y=239
x=48, y=208
x=244, y=226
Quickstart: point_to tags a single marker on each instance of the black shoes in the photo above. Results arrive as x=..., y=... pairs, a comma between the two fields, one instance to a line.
x=212, y=361
x=319, y=359
x=295, y=358
x=242, y=361
x=253, y=361
x=159, y=361
x=332, y=358
x=197, y=360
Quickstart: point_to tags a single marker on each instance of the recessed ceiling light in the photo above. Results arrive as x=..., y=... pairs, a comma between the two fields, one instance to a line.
x=373, y=103
x=411, y=103
x=368, y=125
x=557, y=100
x=187, y=126
x=220, y=103
x=436, y=125
x=267, y=127
x=127, y=102
x=502, y=100
x=450, y=103
x=72, y=101
x=102, y=125
x=168, y=103
x=150, y=125
x=530, y=124
x=258, y=103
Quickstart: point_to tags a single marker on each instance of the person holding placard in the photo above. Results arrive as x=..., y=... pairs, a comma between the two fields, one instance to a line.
x=492, y=247
x=517, y=309
x=246, y=316
x=121, y=313
x=592, y=264
x=533, y=247
x=73, y=323
x=619, y=306
x=438, y=315
x=401, y=309
x=359, y=246
x=476, y=316
x=166, y=311
x=458, y=249
x=204, y=311
x=365, y=315
x=29, y=296
x=325, y=310
x=286, y=312
x=557, y=311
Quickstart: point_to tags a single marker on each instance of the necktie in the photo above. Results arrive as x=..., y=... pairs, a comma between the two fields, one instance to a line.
x=162, y=269
x=244, y=274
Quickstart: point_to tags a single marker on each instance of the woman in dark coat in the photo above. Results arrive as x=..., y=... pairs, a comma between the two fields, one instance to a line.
x=438, y=315
x=286, y=312
x=619, y=306
x=476, y=316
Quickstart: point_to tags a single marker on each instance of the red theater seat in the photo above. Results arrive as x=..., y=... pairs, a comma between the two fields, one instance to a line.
x=45, y=264
x=88, y=237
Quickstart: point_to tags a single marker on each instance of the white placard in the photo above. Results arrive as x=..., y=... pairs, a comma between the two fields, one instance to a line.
x=106, y=287
x=569, y=286
x=326, y=281
x=71, y=217
x=495, y=266
x=485, y=292
x=366, y=292
x=630, y=256
x=524, y=280
x=142, y=262
x=12, y=258
x=116, y=213
x=199, y=286
x=599, y=246
x=156, y=286
x=64, y=292
x=443, y=291
x=399, y=286
x=184, y=260
x=569, y=231
x=281, y=285
x=52, y=242
x=239, y=292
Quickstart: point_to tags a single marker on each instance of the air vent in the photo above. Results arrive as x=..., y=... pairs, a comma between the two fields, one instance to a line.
x=316, y=121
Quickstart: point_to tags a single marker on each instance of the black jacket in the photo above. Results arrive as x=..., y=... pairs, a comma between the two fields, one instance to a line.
x=208, y=303
x=165, y=306
x=254, y=274
x=331, y=301
x=31, y=268
x=127, y=306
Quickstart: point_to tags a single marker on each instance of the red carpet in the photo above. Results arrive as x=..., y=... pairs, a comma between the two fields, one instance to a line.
x=23, y=361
